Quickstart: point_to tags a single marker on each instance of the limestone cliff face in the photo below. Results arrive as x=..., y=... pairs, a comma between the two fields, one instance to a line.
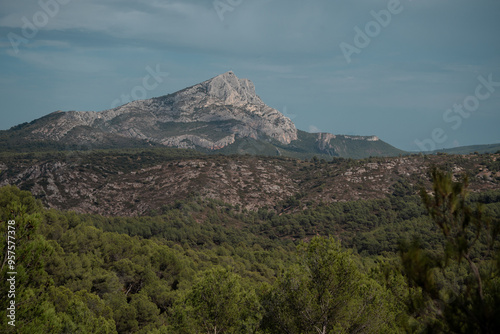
x=231, y=90
x=327, y=140
x=223, y=108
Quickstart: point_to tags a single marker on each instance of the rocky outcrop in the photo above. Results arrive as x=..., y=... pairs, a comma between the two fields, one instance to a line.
x=324, y=140
x=185, y=140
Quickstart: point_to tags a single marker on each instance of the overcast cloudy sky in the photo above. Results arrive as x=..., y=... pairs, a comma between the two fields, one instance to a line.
x=398, y=81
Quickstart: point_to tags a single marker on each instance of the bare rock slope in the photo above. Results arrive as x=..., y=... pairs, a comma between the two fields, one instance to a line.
x=183, y=119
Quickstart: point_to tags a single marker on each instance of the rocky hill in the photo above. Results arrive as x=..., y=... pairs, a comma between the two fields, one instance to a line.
x=142, y=181
x=221, y=114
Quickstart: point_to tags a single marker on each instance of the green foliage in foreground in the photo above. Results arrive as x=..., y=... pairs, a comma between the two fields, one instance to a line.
x=205, y=267
x=460, y=285
x=41, y=306
x=326, y=293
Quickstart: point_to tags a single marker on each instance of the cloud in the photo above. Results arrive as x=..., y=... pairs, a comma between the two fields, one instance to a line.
x=314, y=129
x=62, y=61
x=424, y=61
x=285, y=27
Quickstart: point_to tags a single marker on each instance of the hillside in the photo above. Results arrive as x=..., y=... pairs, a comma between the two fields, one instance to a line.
x=201, y=263
x=491, y=148
x=142, y=181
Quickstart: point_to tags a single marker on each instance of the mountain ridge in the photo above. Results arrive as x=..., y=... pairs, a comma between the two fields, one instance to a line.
x=223, y=113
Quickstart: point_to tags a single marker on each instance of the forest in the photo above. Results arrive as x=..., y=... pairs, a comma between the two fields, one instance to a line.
x=412, y=262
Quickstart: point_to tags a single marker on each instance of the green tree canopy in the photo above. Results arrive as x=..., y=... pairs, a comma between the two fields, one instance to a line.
x=326, y=293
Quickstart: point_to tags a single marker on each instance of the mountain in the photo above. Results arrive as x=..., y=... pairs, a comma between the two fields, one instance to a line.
x=223, y=114
x=489, y=148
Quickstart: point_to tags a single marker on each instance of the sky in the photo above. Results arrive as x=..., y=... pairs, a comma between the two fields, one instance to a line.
x=419, y=74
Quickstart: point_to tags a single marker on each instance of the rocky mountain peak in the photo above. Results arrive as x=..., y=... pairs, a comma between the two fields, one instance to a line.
x=221, y=99
x=232, y=90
